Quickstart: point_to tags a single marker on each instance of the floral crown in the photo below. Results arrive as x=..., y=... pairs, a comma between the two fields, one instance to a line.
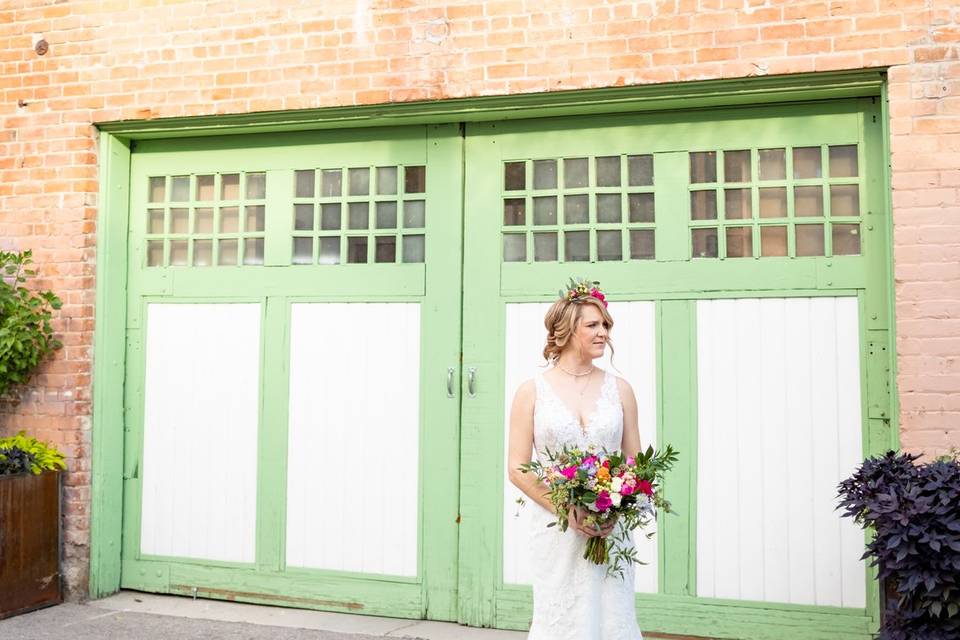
x=577, y=290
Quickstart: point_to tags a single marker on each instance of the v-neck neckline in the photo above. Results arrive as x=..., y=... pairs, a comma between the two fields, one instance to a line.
x=571, y=412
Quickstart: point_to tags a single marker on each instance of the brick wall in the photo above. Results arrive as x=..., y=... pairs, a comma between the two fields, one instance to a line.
x=124, y=59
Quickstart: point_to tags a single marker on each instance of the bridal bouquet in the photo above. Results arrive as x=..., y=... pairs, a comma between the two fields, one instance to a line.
x=610, y=486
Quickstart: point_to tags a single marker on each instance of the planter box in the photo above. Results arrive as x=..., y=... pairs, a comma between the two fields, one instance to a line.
x=29, y=542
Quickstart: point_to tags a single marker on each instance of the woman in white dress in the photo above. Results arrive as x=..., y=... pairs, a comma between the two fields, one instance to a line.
x=573, y=403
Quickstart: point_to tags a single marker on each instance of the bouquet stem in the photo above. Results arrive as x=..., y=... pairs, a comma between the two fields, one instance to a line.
x=597, y=551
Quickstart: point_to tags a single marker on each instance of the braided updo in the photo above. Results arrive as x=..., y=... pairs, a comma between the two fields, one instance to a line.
x=562, y=321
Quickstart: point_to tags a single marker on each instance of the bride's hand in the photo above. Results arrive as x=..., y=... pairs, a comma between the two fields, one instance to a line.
x=577, y=516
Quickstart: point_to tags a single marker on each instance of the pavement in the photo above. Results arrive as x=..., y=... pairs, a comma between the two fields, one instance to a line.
x=130, y=615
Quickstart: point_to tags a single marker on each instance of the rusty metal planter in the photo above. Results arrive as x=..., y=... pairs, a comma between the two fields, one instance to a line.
x=29, y=542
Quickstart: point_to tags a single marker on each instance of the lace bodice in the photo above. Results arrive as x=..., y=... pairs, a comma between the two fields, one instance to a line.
x=555, y=424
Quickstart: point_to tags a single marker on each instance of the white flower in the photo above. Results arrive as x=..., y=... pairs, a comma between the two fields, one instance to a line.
x=616, y=484
x=615, y=498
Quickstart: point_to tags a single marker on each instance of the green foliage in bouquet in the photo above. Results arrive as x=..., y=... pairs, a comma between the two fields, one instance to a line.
x=21, y=453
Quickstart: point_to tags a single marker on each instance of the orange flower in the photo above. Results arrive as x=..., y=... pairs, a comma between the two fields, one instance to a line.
x=603, y=474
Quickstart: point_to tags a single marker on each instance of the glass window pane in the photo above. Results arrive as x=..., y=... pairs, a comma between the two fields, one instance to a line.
x=357, y=250
x=414, y=181
x=155, y=221
x=640, y=171
x=514, y=247
x=330, y=216
x=331, y=185
x=386, y=181
x=773, y=202
x=203, y=220
x=514, y=211
x=227, y=252
x=608, y=207
x=229, y=219
x=608, y=171
x=359, y=179
x=807, y=201
x=576, y=246
x=739, y=242
x=846, y=239
x=843, y=161
x=157, y=189
x=414, y=214
x=737, y=204
x=305, y=183
x=806, y=162
x=230, y=186
x=772, y=164
x=545, y=210
x=545, y=247
x=359, y=218
x=773, y=241
x=386, y=215
x=736, y=166
x=303, y=251
x=515, y=176
x=180, y=189
x=413, y=248
x=809, y=239
x=576, y=209
x=155, y=253
x=609, y=245
x=703, y=205
x=256, y=186
x=545, y=174
x=178, y=253
x=202, y=253
x=254, y=218
x=844, y=200
x=329, y=250
x=253, y=251
x=705, y=243
x=641, y=207
x=576, y=173
x=205, y=190
x=642, y=244
x=386, y=249
x=180, y=221
x=703, y=166
x=303, y=217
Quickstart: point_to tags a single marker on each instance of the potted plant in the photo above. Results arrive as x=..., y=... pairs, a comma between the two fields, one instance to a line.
x=914, y=512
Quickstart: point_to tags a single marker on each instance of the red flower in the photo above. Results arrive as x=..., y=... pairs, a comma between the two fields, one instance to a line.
x=599, y=296
x=606, y=463
x=644, y=486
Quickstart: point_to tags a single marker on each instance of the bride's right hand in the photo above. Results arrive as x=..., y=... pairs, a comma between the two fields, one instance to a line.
x=577, y=515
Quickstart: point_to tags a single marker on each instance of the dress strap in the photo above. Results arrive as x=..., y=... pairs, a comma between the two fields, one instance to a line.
x=610, y=388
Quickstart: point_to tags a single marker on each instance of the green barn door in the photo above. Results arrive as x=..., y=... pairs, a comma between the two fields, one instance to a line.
x=293, y=349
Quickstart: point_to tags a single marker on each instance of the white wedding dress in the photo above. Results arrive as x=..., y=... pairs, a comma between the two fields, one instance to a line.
x=574, y=599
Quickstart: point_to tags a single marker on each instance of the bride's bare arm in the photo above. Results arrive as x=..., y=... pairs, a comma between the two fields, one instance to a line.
x=631, y=429
x=520, y=447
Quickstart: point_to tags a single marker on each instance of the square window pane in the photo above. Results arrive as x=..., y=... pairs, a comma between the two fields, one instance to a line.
x=227, y=252
x=155, y=253
x=386, y=215
x=386, y=181
x=203, y=220
x=330, y=216
x=608, y=171
x=256, y=186
x=809, y=239
x=514, y=247
x=515, y=176
x=737, y=204
x=846, y=239
x=640, y=171
x=739, y=242
x=705, y=243
x=642, y=244
x=514, y=212
x=545, y=174
x=413, y=248
x=773, y=241
x=205, y=189
x=331, y=184
x=253, y=251
x=576, y=173
x=359, y=179
x=576, y=209
x=303, y=217
x=414, y=214
x=229, y=220
x=576, y=246
x=230, y=186
x=202, y=253
x=609, y=245
x=179, y=221
x=303, y=251
x=703, y=205
x=843, y=161
x=772, y=164
x=386, y=249
x=305, y=180
x=641, y=207
x=608, y=207
x=773, y=202
x=545, y=210
x=359, y=217
x=736, y=166
x=329, y=250
x=414, y=181
x=844, y=200
x=155, y=221
x=180, y=189
x=703, y=166
x=254, y=218
x=807, y=201
x=357, y=250
x=178, y=253
x=157, y=189
x=806, y=162
x=545, y=247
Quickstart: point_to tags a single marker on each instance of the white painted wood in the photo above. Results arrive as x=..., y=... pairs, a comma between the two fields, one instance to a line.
x=201, y=408
x=779, y=427
x=354, y=404
x=634, y=339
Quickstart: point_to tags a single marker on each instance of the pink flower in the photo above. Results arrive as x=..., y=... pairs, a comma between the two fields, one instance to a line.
x=569, y=472
x=590, y=460
x=603, y=501
x=631, y=461
x=599, y=296
x=645, y=487
x=626, y=489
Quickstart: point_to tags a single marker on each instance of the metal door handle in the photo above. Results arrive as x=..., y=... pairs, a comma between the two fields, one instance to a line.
x=450, y=372
x=472, y=382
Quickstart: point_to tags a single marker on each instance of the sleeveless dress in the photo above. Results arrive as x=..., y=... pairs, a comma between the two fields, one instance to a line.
x=574, y=599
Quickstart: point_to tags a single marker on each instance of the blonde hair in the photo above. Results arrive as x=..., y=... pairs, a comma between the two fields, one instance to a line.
x=562, y=321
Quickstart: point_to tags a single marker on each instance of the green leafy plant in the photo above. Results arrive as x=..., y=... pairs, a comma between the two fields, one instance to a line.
x=22, y=453
x=26, y=336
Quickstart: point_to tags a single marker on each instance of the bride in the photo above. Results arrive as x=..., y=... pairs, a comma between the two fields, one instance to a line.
x=577, y=404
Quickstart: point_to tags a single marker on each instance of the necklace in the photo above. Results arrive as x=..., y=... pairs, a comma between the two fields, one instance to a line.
x=575, y=375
